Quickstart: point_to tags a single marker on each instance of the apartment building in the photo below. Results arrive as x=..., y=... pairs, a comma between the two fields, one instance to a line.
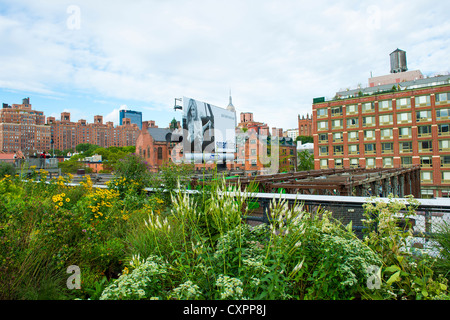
x=67, y=134
x=23, y=129
x=388, y=126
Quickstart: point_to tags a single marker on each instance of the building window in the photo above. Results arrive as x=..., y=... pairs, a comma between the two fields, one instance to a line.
x=405, y=147
x=444, y=145
x=323, y=138
x=253, y=152
x=370, y=148
x=386, y=133
x=446, y=176
x=160, y=153
x=424, y=131
x=321, y=113
x=370, y=162
x=323, y=163
x=385, y=105
x=385, y=119
x=406, y=161
x=388, y=162
x=336, y=111
x=352, y=122
x=445, y=161
x=323, y=151
x=368, y=107
x=337, y=137
x=443, y=129
x=426, y=176
x=352, y=109
x=442, y=114
x=403, y=103
x=253, y=162
x=426, y=162
x=404, y=117
x=423, y=116
x=369, y=134
x=354, y=162
x=338, y=163
x=353, y=149
x=353, y=136
x=404, y=132
x=422, y=101
x=442, y=98
x=426, y=146
x=337, y=124
x=322, y=125
x=368, y=121
x=387, y=147
x=338, y=150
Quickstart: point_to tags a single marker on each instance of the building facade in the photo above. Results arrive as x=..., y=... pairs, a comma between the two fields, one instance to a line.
x=253, y=147
x=152, y=145
x=385, y=127
x=305, y=125
x=67, y=134
x=23, y=129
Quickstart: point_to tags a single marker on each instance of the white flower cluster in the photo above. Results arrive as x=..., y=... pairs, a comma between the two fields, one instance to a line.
x=229, y=288
x=155, y=222
x=136, y=285
x=187, y=290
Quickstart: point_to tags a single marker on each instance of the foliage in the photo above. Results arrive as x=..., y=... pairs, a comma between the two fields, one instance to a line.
x=198, y=246
x=305, y=161
x=132, y=174
x=403, y=275
x=305, y=139
x=6, y=168
x=442, y=237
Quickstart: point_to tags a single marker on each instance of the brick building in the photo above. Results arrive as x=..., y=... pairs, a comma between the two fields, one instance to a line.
x=253, y=144
x=305, y=125
x=151, y=144
x=67, y=134
x=23, y=129
x=391, y=125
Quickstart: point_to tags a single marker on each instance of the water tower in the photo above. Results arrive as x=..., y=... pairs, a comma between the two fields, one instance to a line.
x=398, y=61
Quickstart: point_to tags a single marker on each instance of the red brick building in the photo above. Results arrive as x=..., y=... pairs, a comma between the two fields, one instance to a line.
x=254, y=146
x=23, y=129
x=67, y=134
x=305, y=125
x=388, y=126
x=151, y=144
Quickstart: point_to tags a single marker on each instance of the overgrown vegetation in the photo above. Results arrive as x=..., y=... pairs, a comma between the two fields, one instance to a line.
x=129, y=245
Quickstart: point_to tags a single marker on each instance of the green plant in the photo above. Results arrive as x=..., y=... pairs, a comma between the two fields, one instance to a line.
x=6, y=169
x=402, y=274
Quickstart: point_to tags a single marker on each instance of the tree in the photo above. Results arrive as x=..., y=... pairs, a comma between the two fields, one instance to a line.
x=305, y=139
x=305, y=161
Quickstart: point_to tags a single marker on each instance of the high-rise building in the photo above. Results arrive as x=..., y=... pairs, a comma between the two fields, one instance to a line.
x=23, y=129
x=388, y=126
x=134, y=116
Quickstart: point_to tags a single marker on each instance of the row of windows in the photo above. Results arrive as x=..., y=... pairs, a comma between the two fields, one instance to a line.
x=385, y=119
x=423, y=146
x=426, y=176
x=385, y=105
x=385, y=134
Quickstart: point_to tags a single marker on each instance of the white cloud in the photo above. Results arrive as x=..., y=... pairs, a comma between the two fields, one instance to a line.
x=276, y=56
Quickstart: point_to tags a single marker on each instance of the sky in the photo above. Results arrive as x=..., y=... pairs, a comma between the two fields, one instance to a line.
x=96, y=57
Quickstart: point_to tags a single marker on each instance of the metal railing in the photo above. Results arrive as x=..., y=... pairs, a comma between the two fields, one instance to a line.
x=33, y=163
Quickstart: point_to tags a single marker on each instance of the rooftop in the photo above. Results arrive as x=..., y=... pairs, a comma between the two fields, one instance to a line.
x=401, y=86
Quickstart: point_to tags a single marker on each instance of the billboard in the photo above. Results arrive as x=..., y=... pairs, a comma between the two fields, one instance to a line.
x=207, y=131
